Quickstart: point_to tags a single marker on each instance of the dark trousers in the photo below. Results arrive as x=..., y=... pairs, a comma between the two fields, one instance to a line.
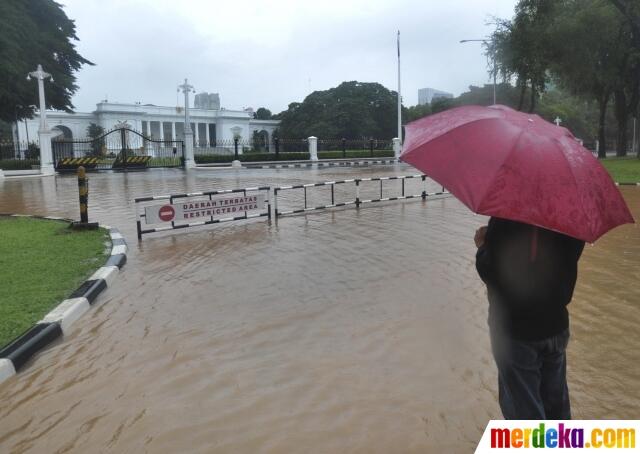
x=532, y=376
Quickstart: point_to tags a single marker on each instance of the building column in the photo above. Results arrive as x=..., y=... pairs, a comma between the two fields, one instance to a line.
x=197, y=131
x=161, y=130
x=173, y=131
x=148, y=131
x=206, y=131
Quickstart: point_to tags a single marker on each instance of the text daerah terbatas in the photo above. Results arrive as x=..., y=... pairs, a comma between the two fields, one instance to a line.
x=214, y=207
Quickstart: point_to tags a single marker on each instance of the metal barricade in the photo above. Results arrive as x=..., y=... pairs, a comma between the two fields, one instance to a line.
x=201, y=205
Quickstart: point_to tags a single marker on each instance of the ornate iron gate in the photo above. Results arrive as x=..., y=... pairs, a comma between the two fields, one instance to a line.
x=118, y=149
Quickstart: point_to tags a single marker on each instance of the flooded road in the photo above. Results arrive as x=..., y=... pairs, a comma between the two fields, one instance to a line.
x=337, y=331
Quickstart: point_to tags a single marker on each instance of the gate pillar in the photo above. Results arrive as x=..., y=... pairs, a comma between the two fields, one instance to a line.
x=313, y=148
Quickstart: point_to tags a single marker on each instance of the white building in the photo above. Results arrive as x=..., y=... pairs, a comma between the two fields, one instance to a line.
x=156, y=122
x=426, y=95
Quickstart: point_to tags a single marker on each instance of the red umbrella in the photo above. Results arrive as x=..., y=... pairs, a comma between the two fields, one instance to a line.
x=512, y=165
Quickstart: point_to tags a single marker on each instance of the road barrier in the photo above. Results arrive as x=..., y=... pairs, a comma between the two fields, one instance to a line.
x=212, y=207
x=358, y=200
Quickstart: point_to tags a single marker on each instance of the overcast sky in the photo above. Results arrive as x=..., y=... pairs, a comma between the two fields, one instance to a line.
x=270, y=53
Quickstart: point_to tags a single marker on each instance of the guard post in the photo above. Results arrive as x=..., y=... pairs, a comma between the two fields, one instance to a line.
x=83, y=197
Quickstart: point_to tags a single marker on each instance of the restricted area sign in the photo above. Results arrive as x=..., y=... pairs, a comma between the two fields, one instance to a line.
x=196, y=210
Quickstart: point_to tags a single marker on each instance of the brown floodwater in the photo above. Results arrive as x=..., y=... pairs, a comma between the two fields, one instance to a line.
x=352, y=330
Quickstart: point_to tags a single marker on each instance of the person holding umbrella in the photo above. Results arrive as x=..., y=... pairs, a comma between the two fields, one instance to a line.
x=530, y=275
x=547, y=196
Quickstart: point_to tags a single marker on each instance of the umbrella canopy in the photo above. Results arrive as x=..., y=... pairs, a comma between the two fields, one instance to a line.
x=512, y=165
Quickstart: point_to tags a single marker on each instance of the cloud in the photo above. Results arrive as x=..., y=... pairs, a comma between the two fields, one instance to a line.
x=271, y=53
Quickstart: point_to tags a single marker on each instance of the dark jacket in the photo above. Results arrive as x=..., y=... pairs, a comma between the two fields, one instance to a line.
x=530, y=274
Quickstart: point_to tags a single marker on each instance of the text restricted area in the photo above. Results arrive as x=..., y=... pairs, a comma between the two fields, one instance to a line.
x=215, y=208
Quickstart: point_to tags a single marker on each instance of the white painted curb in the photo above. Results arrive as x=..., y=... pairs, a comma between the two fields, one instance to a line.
x=120, y=249
x=6, y=369
x=67, y=312
x=71, y=309
x=108, y=273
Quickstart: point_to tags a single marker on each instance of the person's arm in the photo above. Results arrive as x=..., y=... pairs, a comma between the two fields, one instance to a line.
x=573, y=248
x=484, y=262
x=579, y=247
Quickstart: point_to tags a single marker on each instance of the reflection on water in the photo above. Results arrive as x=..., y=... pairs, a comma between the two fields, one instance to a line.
x=346, y=330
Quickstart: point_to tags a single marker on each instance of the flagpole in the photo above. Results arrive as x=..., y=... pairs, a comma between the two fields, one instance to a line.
x=399, y=95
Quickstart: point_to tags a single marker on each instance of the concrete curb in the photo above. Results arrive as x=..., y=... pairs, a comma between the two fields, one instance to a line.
x=57, y=323
x=627, y=184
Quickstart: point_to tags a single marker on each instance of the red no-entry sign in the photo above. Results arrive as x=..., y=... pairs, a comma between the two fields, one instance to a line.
x=166, y=213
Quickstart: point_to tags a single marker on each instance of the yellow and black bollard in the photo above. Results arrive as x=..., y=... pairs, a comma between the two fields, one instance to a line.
x=83, y=195
x=83, y=191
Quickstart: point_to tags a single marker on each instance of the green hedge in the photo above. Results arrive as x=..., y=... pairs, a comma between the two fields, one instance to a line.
x=251, y=157
x=254, y=157
x=18, y=164
x=361, y=154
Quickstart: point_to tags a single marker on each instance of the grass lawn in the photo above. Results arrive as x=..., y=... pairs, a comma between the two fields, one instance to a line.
x=623, y=170
x=41, y=263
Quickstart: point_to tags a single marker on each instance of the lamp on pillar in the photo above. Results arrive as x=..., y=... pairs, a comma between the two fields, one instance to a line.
x=44, y=133
x=189, y=161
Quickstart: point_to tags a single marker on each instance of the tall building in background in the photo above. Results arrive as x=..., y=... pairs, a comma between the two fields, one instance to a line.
x=427, y=95
x=207, y=101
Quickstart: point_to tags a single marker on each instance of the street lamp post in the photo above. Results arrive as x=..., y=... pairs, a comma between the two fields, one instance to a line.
x=41, y=76
x=16, y=147
x=189, y=161
x=44, y=134
x=494, y=63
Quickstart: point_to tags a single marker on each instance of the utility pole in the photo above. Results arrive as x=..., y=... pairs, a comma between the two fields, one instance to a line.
x=399, y=95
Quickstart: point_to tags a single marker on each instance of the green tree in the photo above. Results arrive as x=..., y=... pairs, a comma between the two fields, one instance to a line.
x=506, y=94
x=588, y=55
x=263, y=114
x=627, y=94
x=352, y=110
x=95, y=132
x=520, y=47
x=36, y=32
x=442, y=104
x=578, y=114
x=584, y=46
x=413, y=113
x=6, y=133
